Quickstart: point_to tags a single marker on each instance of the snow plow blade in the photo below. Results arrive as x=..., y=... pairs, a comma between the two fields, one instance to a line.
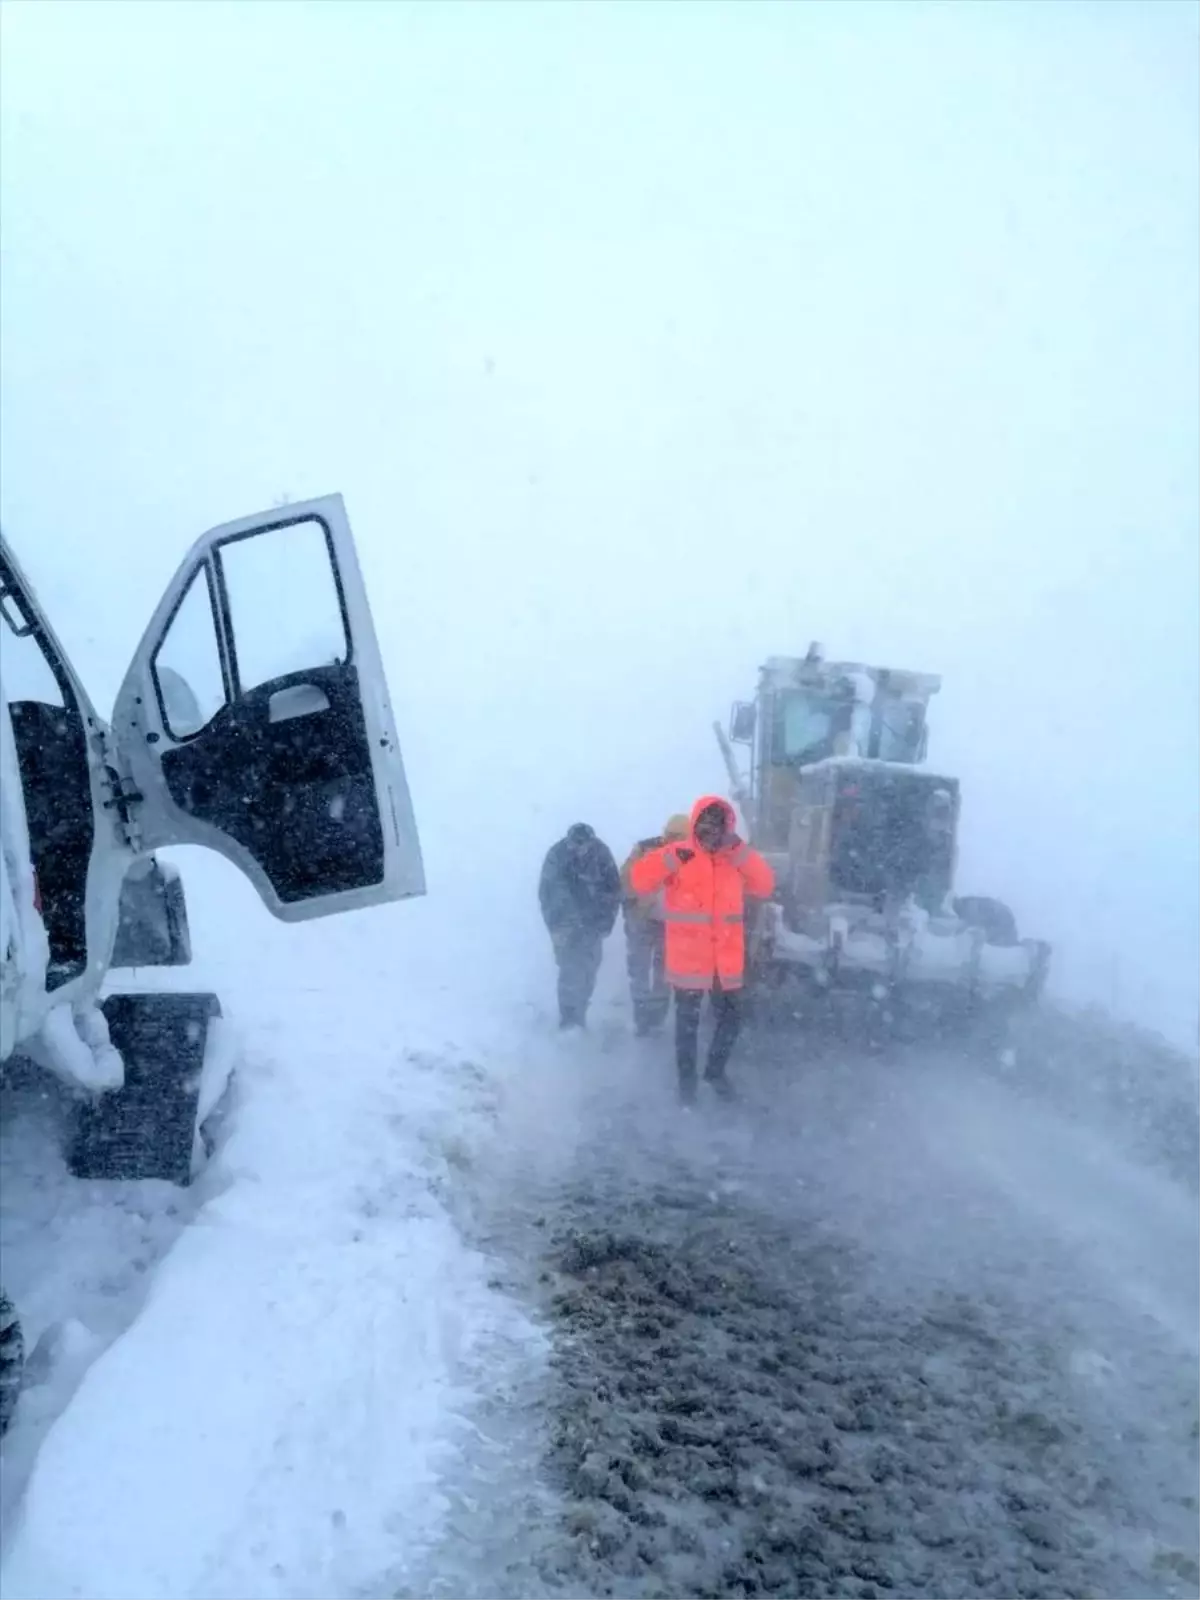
x=148, y=1127
x=946, y=954
x=865, y=974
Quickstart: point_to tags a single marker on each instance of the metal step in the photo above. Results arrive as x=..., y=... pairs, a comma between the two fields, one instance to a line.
x=147, y=1128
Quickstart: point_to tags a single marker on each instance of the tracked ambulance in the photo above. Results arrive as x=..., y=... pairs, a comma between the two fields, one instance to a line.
x=254, y=720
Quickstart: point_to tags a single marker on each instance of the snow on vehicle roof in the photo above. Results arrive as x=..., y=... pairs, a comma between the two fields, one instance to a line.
x=788, y=671
x=873, y=764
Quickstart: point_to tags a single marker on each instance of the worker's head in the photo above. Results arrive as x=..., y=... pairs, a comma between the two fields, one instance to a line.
x=677, y=827
x=713, y=825
x=579, y=836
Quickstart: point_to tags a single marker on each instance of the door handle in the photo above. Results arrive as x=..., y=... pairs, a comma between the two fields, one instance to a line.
x=298, y=700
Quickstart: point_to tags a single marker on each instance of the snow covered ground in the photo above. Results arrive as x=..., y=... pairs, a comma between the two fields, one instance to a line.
x=467, y=1308
x=893, y=1323
x=293, y=1377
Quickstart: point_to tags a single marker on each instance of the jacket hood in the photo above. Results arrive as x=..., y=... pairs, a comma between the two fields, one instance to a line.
x=678, y=826
x=703, y=804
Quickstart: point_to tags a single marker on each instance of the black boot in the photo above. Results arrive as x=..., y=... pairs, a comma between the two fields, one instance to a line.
x=727, y=1005
x=687, y=1029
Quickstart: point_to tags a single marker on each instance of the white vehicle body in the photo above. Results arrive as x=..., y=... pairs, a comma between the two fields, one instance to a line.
x=254, y=718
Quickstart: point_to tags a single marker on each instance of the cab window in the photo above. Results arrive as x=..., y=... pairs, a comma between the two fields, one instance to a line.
x=187, y=664
x=900, y=729
x=264, y=642
x=26, y=673
x=271, y=642
x=805, y=727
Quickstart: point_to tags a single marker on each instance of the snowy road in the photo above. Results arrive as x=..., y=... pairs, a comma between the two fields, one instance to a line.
x=885, y=1327
x=896, y=1326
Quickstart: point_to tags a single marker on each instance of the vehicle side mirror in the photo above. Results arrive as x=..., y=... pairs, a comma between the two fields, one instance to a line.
x=152, y=925
x=742, y=722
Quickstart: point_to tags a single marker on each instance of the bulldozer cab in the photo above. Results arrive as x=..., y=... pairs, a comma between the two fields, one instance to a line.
x=808, y=710
x=863, y=836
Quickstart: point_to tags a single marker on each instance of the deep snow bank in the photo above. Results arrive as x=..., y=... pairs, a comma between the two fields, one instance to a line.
x=277, y=1418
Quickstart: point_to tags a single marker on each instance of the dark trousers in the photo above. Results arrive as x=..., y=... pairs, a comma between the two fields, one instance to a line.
x=645, y=940
x=578, y=952
x=727, y=1009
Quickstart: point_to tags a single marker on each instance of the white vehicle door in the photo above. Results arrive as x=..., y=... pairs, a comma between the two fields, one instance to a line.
x=255, y=719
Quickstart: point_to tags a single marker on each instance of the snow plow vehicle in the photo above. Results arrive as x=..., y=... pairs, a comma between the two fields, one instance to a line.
x=253, y=719
x=863, y=840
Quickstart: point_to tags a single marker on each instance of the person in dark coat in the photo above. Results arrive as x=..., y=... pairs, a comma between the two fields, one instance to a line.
x=580, y=895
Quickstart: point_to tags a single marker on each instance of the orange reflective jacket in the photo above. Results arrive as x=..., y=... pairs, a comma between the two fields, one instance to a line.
x=705, y=902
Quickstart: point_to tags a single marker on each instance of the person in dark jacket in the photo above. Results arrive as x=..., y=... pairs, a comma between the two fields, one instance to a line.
x=580, y=894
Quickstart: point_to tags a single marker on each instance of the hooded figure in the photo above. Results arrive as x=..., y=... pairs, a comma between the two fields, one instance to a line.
x=579, y=892
x=705, y=883
x=644, y=934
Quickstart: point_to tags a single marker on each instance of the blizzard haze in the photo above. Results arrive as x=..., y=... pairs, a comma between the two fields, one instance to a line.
x=646, y=341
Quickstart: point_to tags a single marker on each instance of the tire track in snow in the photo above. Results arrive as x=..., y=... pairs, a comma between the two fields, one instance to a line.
x=739, y=1414
x=797, y=1350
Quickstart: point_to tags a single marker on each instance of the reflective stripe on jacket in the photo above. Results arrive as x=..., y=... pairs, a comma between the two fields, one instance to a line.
x=704, y=903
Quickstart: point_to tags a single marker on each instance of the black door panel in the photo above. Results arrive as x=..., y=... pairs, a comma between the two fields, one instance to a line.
x=297, y=793
x=52, y=751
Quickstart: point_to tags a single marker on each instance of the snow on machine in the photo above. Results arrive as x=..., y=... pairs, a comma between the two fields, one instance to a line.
x=863, y=840
x=254, y=719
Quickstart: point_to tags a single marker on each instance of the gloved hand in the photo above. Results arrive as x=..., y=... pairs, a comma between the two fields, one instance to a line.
x=683, y=853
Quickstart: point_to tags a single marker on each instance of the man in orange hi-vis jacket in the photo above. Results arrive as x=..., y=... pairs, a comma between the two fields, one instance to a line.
x=705, y=883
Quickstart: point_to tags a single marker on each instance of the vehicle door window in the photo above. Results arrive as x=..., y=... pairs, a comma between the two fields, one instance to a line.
x=187, y=664
x=900, y=731
x=25, y=670
x=273, y=641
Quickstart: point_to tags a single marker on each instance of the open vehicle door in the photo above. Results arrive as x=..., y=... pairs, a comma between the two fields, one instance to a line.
x=255, y=720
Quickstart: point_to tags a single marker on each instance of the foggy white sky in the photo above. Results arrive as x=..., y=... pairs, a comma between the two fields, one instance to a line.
x=645, y=341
